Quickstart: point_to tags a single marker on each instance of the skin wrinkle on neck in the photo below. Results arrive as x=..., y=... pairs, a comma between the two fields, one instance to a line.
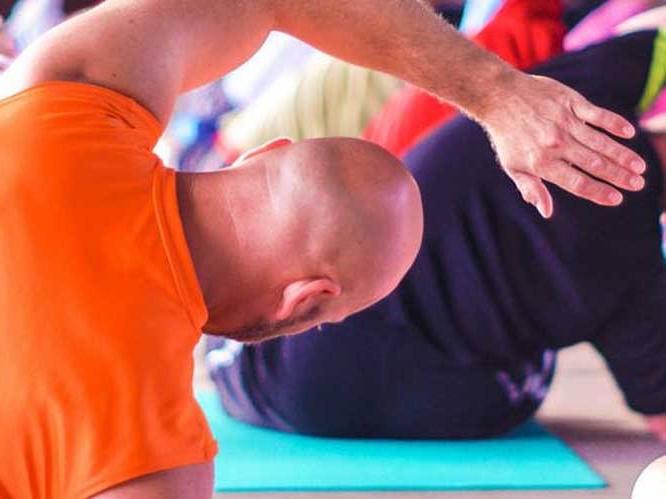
x=272, y=196
x=232, y=218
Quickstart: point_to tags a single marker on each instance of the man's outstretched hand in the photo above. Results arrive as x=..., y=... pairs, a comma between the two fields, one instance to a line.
x=543, y=130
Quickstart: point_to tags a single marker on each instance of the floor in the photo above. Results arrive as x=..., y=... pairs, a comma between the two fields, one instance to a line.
x=586, y=410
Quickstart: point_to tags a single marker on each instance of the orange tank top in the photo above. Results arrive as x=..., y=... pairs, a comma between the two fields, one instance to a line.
x=99, y=304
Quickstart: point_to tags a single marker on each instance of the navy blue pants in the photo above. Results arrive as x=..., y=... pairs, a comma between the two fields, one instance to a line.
x=368, y=378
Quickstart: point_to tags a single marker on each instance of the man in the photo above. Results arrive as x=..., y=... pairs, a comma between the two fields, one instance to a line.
x=111, y=265
x=464, y=348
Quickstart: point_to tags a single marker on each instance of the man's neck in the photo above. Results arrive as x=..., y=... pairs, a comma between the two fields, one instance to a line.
x=209, y=231
x=223, y=246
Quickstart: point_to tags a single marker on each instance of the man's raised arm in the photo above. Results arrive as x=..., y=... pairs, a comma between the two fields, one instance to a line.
x=153, y=49
x=539, y=127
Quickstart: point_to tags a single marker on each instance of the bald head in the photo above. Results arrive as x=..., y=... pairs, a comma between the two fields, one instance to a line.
x=295, y=235
x=356, y=213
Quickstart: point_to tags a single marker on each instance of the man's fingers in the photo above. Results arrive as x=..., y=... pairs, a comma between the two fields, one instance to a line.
x=602, y=118
x=565, y=142
x=580, y=184
x=602, y=168
x=534, y=192
x=601, y=143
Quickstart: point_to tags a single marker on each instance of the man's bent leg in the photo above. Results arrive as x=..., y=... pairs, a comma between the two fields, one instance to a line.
x=188, y=482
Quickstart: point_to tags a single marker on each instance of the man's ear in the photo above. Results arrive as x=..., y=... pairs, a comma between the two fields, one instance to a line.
x=268, y=146
x=302, y=295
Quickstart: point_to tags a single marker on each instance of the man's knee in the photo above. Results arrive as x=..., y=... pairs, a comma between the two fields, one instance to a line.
x=187, y=482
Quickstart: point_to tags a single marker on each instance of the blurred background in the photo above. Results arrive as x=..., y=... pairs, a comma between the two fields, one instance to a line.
x=290, y=89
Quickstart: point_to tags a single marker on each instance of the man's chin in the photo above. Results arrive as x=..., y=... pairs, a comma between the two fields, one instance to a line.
x=262, y=332
x=252, y=338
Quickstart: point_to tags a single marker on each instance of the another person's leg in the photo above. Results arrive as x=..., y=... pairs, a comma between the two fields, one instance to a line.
x=375, y=376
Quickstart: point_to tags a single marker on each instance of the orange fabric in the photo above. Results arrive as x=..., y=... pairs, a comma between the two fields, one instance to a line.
x=523, y=33
x=99, y=304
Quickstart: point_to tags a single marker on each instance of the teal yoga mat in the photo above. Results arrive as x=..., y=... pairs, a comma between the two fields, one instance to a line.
x=255, y=459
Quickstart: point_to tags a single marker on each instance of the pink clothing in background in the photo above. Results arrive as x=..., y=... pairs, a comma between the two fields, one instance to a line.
x=601, y=23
